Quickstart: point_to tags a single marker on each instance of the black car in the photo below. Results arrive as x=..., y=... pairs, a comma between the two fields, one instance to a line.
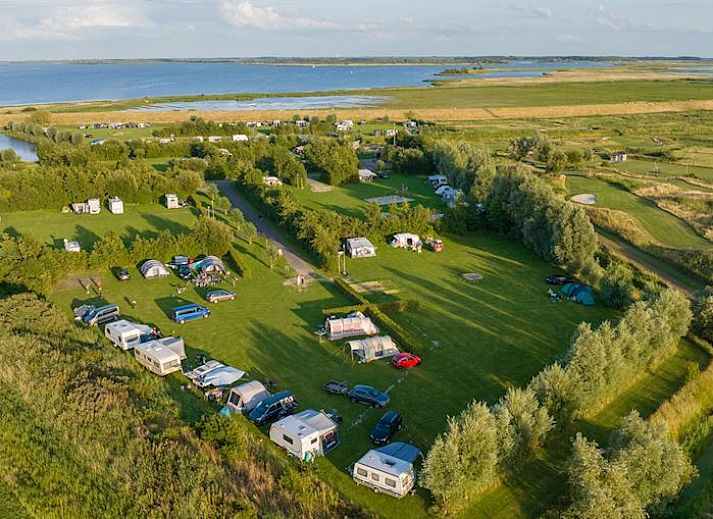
x=122, y=275
x=184, y=272
x=386, y=428
x=559, y=279
x=369, y=396
x=273, y=408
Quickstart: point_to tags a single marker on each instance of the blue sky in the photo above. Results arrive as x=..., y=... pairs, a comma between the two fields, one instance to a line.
x=62, y=29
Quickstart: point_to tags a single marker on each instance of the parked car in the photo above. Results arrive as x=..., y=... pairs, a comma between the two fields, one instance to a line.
x=184, y=272
x=96, y=315
x=363, y=394
x=386, y=428
x=383, y=175
x=184, y=313
x=215, y=296
x=273, y=408
x=434, y=245
x=559, y=279
x=405, y=360
x=178, y=261
x=336, y=387
x=122, y=275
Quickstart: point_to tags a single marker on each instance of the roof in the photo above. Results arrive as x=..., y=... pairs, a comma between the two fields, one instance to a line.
x=401, y=450
x=222, y=376
x=385, y=463
x=306, y=424
x=316, y=419
x=124, y=326
x=248, y=390
x=374, y=347
x=184, y=307
x=355, y=243
x=158, y=351
x=150, y=264
x=212, y=263
x=366, y=173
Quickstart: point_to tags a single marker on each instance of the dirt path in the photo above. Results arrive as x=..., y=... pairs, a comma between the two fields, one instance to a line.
x=669, y=274
x=266, y=228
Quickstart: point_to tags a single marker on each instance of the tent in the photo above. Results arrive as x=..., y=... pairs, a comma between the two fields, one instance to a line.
x=406, y=240
x=220, y=377
x=360, y=248
x=245, y=397
x=373, y=348
x=352, y=325
x=366, y=175
x=153, y=269
x=210, y=264
x=578, y=293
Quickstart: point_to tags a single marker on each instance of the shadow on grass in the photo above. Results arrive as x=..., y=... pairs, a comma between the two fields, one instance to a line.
x=167, y=304
x=163, y=224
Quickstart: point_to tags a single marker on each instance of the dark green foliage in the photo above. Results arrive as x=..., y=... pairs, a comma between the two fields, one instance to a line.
x=239, y=264
x=467, y=166
x=408, y=161
x=703, y=314
x=616, y=287
x=337, y=161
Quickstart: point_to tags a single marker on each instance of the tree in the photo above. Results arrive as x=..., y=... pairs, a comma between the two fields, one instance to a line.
x=556, y=161
x=617, y=287
x=212, y=237
x=703, y=314
x=40, y=117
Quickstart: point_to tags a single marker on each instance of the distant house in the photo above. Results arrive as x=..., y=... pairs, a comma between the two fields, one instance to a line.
x=271, y=181
x=276, y=122
x=301, y=123
x=215, y=138
x=344, y=126
x=410, y=124
x=166, y=140
x=254, y=124
x=172, y=201
x=619, y=156
x=240, y=138
x=116, y=205
x=366, y=175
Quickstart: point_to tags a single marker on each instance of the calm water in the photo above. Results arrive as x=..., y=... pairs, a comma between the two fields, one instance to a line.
x=25, y=150
x=32, y=83
x=270, y=103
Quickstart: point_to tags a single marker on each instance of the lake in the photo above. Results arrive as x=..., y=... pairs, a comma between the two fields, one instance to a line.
x=35, y=83
x=269, y=103
x=25, y=150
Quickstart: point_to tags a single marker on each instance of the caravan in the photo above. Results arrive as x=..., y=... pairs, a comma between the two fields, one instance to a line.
x=245, y=397
x=161, y=356
x=305, y=435
x=388, y=469
x=126, y=334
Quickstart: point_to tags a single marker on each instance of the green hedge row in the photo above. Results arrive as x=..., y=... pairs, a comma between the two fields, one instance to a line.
x=344, y=310
x=241, y=266
x=406, y=340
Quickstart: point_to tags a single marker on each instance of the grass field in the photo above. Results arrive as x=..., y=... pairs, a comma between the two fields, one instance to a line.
x=664, y=227
x=53, y=226
x=665, y=169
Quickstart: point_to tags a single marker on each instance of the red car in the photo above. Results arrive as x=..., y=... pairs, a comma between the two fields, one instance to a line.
x=405, y=360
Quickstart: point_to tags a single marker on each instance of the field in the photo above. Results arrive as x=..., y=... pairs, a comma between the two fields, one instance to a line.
x=54, y=226
x=664, y=227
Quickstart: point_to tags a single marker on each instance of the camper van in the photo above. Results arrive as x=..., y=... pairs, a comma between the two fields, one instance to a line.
x=305, y=435
x=273, y=408
x=96, y=315
x=245, y=397
x=126, y=334
x=160, y=356
x=388, y=469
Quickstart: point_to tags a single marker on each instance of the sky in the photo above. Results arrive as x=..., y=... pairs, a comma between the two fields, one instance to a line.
x=89, y=29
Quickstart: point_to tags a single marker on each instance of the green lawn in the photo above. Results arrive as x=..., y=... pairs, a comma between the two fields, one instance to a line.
x=664, y=227
x=666, y=169
x=53, y=226
x=350, y=198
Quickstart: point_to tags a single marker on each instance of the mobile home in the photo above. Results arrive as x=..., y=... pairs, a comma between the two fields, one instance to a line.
x=388, y=469
x=172, y=201
x=158, y=356
x=116, y=205
x=305, y=435
x=126, y=335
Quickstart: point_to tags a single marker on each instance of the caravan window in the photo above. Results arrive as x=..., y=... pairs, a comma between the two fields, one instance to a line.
x=375, y=476
x=362, y=472
x=390, y=482
x=314, y=440
x=287, y=439
x=234, y=398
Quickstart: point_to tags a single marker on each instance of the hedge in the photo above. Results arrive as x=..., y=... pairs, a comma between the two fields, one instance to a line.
x=344, y=310
x=405, y=339
x=241, y=266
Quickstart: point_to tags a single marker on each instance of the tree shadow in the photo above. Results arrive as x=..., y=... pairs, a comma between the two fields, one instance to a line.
x=167, y=304
x=86, y=237
x=12, y=232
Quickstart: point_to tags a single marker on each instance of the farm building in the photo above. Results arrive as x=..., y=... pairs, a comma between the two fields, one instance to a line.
x=240, y=138
x=244, y=398
x=373, y=348
x=159, y=356
x=210, y=265
x=366, y=175
x=116, y=205
x=172, y=201
x=300, y=123
x=271, y=181
x=352, y=325
x=360, y=248
x=406, y=240
x=305, y=435
x=152, y=268
x=619, y=156
x=388, y=469
x=126, y=335
x=72, y=246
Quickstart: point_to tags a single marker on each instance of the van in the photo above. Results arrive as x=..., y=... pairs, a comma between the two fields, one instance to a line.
x=273, y=408
x=184, y=313
x=95, y=316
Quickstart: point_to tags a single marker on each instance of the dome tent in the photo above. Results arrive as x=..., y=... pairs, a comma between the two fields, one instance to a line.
x=579, y=293
x=152, y=268
x=210, y=264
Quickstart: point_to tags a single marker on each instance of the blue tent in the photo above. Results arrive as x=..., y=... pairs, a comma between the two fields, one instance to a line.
x=582, y=294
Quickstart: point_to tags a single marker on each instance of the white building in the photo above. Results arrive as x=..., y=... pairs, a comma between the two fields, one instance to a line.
x=116, y=205
x=305, y=435
x=240, y=138
x=344, y=126
x=360, y=248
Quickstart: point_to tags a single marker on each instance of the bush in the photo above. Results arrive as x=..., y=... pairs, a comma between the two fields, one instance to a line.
x=239, y=263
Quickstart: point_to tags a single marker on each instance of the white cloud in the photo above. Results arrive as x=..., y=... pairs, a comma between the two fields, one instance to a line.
x=531, y=10
x=269, y=18
x=567, y=38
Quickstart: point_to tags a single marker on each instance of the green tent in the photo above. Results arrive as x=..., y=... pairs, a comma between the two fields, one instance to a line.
x=582, y=294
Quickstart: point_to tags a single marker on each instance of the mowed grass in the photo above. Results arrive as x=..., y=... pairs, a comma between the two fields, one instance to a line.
x=665, y=169
x=350, y=199
x=54, y=226
x=480, y=338
x=666, y=228
x=471, y=95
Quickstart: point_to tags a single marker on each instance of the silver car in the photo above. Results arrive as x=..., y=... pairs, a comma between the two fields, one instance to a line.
x=215, y=296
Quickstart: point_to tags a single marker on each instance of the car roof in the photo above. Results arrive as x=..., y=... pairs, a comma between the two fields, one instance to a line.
x=187, y=307
x=363, y=387
x=390, y=416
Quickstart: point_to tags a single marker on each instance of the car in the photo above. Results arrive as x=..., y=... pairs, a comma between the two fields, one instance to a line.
x=559, y=279
x=273, y=408
x=405, y=360
x=178, y=261
x=383, y=175
x=122, y=275
x=368, y=395
x=215, y=296
x=184, y=272
x=336, y=387
x=96, y=315
x=434, y=244
x=191, y=312
x=386, y=428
